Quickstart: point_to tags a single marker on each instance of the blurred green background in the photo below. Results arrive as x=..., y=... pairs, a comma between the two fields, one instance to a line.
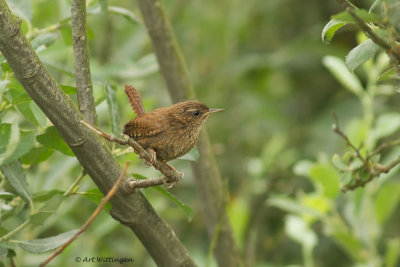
x=262, y=61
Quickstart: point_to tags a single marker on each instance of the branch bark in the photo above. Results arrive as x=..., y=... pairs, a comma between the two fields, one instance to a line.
x=132, y=210
x=82, y=64
x=208, y=179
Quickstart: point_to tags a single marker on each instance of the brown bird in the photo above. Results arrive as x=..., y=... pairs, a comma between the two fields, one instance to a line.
x=166, y=133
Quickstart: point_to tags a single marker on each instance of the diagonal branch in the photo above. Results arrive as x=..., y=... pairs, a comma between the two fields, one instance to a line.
x=132, y=210
x=82, y=65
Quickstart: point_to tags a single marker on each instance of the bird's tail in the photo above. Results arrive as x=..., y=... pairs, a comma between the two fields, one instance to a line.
x=134, y=99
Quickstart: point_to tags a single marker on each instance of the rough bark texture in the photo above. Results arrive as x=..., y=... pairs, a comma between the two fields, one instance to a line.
x=82, y=64
x=208, y=179
x=133, y=210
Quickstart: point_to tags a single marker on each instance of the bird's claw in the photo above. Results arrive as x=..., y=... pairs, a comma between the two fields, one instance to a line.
x=153, y=157
x=177, y=178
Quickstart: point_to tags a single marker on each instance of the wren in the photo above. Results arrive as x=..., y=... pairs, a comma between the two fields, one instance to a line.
x=169, y=132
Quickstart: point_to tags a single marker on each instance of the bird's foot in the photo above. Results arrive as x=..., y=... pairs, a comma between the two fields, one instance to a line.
x=153, y=157
x=124, y=138
x=178, y=177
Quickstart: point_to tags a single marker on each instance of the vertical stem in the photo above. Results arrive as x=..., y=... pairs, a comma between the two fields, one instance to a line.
x=170, y=58
x=82, y=64
x=208, y=179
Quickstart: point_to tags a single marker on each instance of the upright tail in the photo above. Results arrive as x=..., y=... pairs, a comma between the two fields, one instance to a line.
x=134, y=99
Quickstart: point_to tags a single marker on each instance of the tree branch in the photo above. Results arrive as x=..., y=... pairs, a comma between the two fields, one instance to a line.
x=82, y=64
x=208, y=179
x=132, y=210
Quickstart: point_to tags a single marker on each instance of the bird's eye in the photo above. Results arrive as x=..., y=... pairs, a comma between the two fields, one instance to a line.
x=196, y=113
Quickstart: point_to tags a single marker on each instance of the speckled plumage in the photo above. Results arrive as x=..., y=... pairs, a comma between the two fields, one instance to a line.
x=170, y=131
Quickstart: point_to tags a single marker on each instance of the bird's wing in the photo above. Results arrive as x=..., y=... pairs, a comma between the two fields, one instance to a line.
x=144, y=126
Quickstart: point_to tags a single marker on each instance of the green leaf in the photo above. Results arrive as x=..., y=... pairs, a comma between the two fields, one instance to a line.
x=361, y=53
x=187, y=209
x=346, y=179
x=38, y=113
x=45, y=244
x=12, y=142
x=25, y=143
x=327, y=178
x=337, y=161
x=340, y=71
x=18, y=94
x=129, y=15
x=293, y=206
x=5, y=134
x=52, y=139
x=300, y=231
x=46, y=195
x=48, y=209
x=390, y=74
x=112, y=109
x=192, y=155
x=26, y=111
x=330, y=29
x=386, y=202
x=96, y=196
x=386, y=125
x=6, y=195
x=361, y=13
x=3, y=253
x=355, y=164
x=15, y=175
x=99, y=100
x=22, y=8
x=36, y=155
x=45, y=39
x=303, y=167
x=3, y=85
x=69, y=90
x=357, y=131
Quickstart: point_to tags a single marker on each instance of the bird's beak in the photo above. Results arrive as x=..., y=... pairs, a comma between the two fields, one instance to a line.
x=213, y=110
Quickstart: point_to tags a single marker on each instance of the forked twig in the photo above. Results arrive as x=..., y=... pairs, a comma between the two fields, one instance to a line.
x=373, y=169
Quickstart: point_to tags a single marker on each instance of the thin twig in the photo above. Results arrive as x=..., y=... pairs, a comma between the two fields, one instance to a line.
x=382, y=147
x=92, y=217
x=170, y=175
x=133, y=183
x=337, y=130
x=16, y=230
x=82, y=65
x=75, y=183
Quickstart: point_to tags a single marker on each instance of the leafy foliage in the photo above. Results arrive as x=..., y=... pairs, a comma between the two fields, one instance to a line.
x=284, y=165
